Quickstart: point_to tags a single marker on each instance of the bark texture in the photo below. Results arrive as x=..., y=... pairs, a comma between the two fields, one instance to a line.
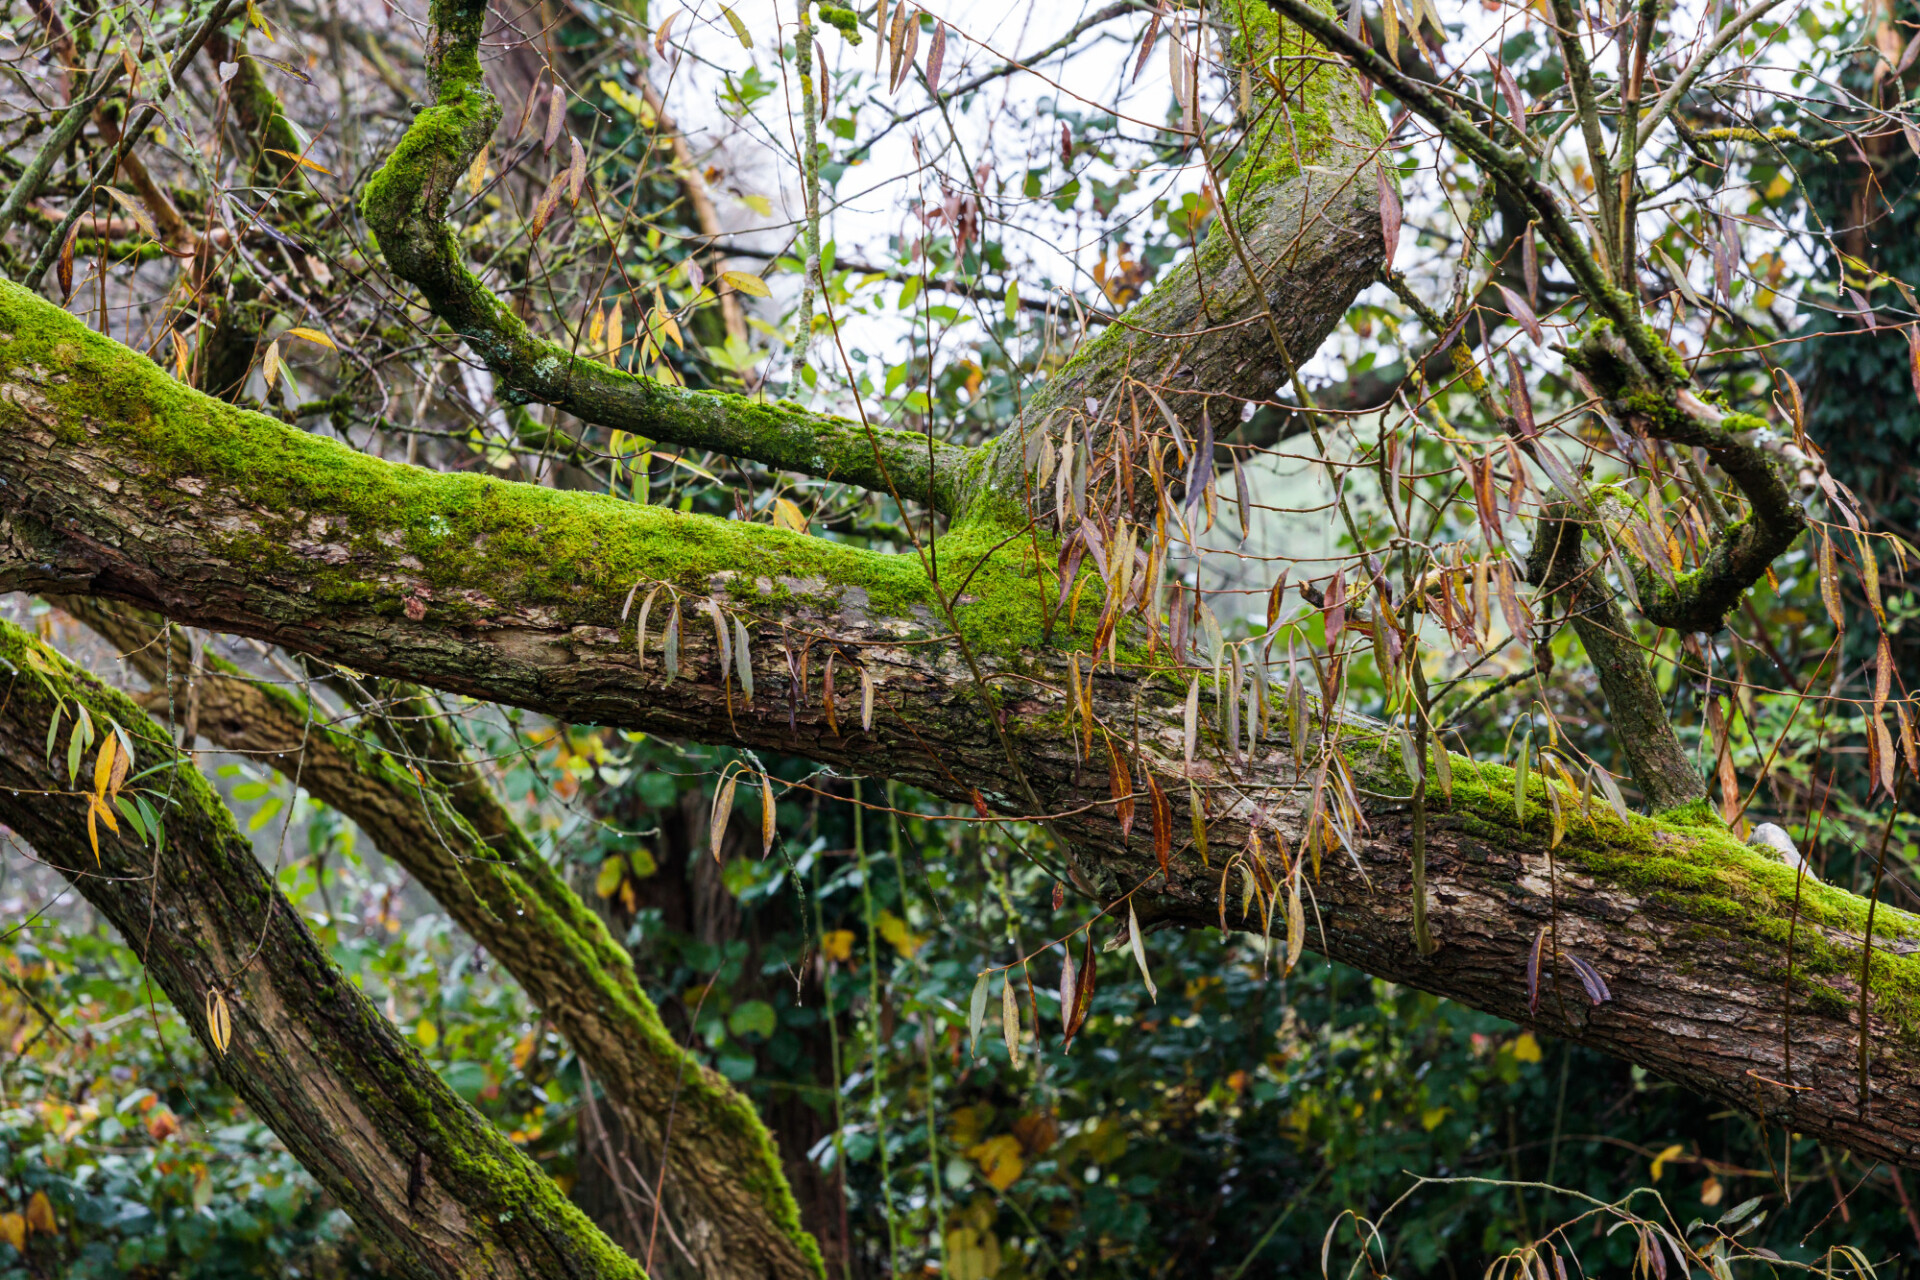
x=120, y=483
x=426, y=1177
x=728, y=1210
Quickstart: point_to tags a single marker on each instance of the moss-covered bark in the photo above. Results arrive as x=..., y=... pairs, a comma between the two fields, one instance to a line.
x=119, y=482
x=727, y=1201
x=425, y=1177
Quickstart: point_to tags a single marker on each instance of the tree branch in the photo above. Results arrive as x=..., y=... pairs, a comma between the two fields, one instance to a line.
x=427, y=1178
x=405, y=207
x=725, y=1190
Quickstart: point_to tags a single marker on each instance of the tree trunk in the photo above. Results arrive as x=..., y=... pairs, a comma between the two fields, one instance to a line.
x=425, y=1177
x=728, y=1210
x=121, y=483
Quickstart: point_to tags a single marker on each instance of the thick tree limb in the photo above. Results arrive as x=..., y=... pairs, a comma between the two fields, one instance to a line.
x=426, y=1177
x=405, y=207
x=118, y=481
x=727, y=1200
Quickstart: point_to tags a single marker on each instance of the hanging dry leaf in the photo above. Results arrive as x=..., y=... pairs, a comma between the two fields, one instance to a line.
x=1066, y=994
x=576, y=171
x=556, y=116
x=219, y=1021
x=743, y=660
x=660, y=36
x=722, y=811
x=477, y=171
x=1390, y=213
x=739, y=28
x=866, y=700
x=1517, y=307
x=1010, y=1019
x=1140, y=951
x=310, y=335
x=936, y=55
x=270, y=363
x=670, y=644
x=767, y=818
x=135, y=210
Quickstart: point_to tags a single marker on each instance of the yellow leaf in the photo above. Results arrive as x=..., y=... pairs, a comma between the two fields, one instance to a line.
x=13, y=1230
x=999, y=1159
x=254, y=16
x=103, y=765
x=1712, y=1192
x=1434, y=1117
x=311, y=335
x=899, y=936
x=523, y=1052
x=270, y=363
x=219, y=1021
x=134, y=211
x=739, y=27
x=1660, y=1161
x=744, y=282
x=302, y=161
x=759, y=204
x=837, y=945
x=1526, y=1048
x=788, y=515
x=477, y=172
x=426, y=1033
x=40, y=1214
x=612, y=872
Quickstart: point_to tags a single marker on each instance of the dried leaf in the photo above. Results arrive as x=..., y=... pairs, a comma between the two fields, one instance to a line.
x=936, y=55
x=768, y=818
x=722, y=643
x=1870, y=576
x=1067, y=994
x=640, y=629
x=866, y=700
x=219, y=1021
x=135, y=210
x=1390, y=212
x=556, y=116
x=576, y=171
x=670, y=644
x=1120, y=783
x=1590, y=980
x=1830, y=583
x=743, y=659
x=1140, y=951
x=1010, y=1019
x=1517, y=307
x=976, y=1015
x=1191, y=724
x=477, y=171
x=720, y=814
x=1336, y=607
x=1275, y=595
x=1162, y=824
x=1296, y=923
x=739, y=27
x=66, y=262
x=979, y=803
x=270, y=362
x=660, y=36
x=301, y=161
x=1533, y=972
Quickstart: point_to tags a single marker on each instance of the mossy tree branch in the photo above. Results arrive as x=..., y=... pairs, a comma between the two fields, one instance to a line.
x=406, y=206
x=727, y=1201
x=120, y=482
x=1741, y=445
x=427, y=1178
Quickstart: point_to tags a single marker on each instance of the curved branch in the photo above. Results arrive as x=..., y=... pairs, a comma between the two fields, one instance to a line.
x=406, y=206
x=427, y=1178
x=725, y=1195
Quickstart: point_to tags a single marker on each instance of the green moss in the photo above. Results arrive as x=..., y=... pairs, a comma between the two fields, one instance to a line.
x=845, y=21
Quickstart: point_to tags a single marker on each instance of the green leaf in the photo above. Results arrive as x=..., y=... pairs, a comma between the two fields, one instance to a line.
x=739, y=27
x=265, y=813
x=976, y=1016
x=755, y=1018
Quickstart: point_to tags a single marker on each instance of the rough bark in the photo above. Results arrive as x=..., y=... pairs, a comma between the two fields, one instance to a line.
x=121, y=483
x=728, y=1209
x=426, y=1177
